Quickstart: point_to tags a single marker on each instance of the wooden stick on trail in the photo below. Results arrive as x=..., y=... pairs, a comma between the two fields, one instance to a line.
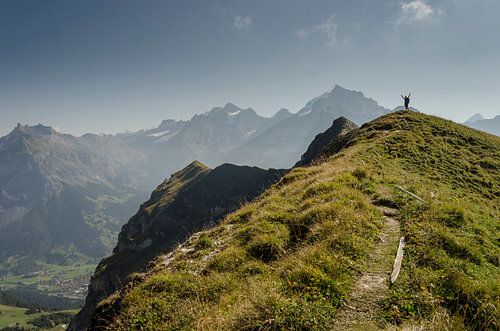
x=398, y=260
x=408, y=192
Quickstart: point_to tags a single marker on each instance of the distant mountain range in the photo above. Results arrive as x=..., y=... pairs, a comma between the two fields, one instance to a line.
x=209, y=137
x=283, y=144
x=491, y=125
x=63, y=199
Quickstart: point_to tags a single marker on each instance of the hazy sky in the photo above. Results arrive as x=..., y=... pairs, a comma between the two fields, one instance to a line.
x=115, y=65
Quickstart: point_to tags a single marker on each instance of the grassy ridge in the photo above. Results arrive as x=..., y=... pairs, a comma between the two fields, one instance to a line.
x=289, y=259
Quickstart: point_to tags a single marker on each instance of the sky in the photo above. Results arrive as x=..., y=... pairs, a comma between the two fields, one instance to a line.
x=108, y=66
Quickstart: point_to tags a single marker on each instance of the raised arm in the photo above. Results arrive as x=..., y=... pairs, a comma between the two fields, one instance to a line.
x=409, y=95
x=402, y=96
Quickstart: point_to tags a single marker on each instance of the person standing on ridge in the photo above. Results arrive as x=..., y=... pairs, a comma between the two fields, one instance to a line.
x=407, y=101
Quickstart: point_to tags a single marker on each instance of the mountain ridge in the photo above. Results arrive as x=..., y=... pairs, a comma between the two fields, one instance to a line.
x=192, y=198
x=290, y=258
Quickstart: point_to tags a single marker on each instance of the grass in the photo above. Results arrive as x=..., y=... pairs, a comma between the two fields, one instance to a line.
x=289, y=259
x=287, y=242
x=10, y=316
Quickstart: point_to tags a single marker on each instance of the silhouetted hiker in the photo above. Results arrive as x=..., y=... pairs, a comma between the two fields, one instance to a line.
x=407, y=101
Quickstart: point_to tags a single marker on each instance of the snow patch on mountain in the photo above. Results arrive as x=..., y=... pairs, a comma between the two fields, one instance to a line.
x=158, y=134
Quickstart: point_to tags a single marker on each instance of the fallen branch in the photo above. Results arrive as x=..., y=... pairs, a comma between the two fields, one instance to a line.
x=374, y=151
x=351, y=307
x=398, y=260
x=408, y=192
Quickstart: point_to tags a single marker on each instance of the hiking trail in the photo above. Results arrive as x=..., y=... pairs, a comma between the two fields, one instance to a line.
x=361, y=310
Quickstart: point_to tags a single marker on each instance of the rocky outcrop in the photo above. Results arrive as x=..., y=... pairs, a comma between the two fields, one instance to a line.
x=339, y=127
x=193, y=198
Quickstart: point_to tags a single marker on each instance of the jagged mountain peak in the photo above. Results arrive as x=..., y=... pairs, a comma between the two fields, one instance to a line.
x=35, y=130
x=283, y=143
x=25, y=138
x=337, y=91
x=344, y=102
x=169, y=124
x=283, y=113
x=229, y=109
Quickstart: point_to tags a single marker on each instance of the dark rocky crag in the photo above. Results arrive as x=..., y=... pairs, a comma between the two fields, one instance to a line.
x=340, y=127
x=193, y=198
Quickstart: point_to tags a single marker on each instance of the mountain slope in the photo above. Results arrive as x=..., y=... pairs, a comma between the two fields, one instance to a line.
x=283, y=144
x=62, y=198
x=193, y=198
x=293, y=257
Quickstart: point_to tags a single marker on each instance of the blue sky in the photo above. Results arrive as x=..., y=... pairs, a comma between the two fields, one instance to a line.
x=116, y=65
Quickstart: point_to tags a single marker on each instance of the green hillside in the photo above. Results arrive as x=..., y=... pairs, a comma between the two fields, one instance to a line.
x=315, y=251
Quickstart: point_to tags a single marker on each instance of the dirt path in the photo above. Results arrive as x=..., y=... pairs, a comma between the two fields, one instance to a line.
x=361, y=310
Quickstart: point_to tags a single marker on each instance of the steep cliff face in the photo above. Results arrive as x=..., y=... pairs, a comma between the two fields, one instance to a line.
x=190, y=200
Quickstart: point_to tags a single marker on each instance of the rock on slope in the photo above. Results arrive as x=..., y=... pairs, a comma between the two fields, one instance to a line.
x=340, y=127
x=191, y=199
x=291, y=258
